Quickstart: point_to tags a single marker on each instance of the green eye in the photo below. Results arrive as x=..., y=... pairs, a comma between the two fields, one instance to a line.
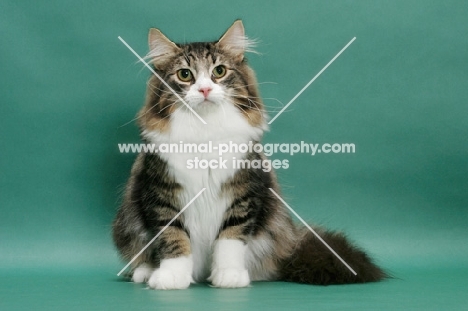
x=219, y=71
x=184, y=75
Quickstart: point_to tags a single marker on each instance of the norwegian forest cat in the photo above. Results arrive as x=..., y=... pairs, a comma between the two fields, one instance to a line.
x=237, y=230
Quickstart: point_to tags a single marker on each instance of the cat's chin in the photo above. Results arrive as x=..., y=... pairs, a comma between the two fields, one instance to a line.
x=205, y=106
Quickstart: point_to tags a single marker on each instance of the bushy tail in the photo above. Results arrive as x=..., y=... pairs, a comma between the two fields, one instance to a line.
x=313, y=263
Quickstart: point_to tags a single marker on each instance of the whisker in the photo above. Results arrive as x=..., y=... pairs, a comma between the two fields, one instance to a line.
x=146, y=112
x=142, y=115
x=250, y=107
x=259, y=83
x=268, y=98
x=153, y=88
x=260, y=110
x=245, y=112
x=224, y=111
x=127, y=123
x=160, y=120
x=168, y=106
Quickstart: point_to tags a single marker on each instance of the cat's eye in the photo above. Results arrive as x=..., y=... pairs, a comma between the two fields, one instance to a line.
x=184, y=75
x=219, y=71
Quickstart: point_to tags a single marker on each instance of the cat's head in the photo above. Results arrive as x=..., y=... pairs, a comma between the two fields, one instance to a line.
x=208, y=76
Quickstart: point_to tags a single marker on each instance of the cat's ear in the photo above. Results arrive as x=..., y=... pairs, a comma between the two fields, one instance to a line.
x=160, y=47
x=235, y=41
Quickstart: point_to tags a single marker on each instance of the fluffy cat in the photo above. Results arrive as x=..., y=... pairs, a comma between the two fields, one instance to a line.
x=236, y=231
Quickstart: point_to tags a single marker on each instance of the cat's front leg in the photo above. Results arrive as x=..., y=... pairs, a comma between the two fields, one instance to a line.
x=173, y=273
x=228, y=269
x=176, y=264
x=228, y=266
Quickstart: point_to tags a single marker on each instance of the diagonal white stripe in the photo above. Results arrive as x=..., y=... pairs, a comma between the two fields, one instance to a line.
x=310, y=82
x=162, y=80
x=160, y=232
x=313, y=231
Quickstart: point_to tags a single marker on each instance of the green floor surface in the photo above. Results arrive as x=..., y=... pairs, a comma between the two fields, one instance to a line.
x=101, y=289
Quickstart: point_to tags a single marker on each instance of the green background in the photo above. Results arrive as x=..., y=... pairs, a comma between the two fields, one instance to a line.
x=399, y=93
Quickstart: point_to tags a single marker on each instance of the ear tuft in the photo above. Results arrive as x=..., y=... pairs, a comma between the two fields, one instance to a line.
x=160, y=46
x=235, y=40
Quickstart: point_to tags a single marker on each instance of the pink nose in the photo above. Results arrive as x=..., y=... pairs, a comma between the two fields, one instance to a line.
x=205, y=91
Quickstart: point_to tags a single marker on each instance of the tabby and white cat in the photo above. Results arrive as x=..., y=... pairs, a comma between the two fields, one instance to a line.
x=237, y=231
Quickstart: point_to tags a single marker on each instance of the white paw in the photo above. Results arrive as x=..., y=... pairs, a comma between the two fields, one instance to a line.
x=173, y=273
x=228, y=264
x=142, y=273
x=230, y=278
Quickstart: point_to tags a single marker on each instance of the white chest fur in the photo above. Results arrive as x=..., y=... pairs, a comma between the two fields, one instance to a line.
x=225, y=124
